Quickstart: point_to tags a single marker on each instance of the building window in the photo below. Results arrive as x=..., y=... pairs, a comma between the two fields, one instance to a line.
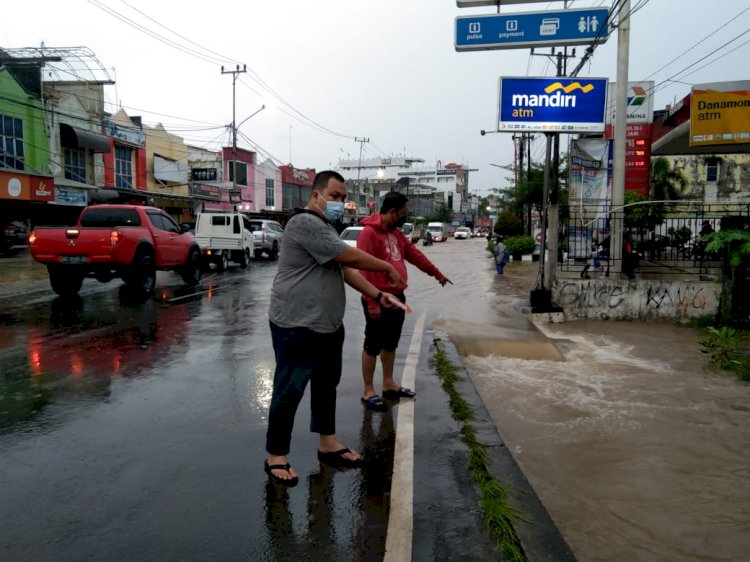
x=75, y=164
x=269, y=193
x=123, y=166
x=11, y=142
x=241, y=172
x=712, y=170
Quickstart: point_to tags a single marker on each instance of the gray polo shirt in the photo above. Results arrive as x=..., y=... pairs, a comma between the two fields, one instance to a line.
x=308, y=291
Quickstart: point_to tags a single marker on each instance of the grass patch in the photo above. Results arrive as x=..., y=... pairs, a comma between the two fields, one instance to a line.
x=498, y=514
x=723, y=346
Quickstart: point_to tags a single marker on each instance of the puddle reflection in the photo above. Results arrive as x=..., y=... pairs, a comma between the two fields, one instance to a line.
x=344, y=519
x=74, y=358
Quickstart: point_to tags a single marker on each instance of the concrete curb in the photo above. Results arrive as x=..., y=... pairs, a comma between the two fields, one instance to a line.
x=539, y=536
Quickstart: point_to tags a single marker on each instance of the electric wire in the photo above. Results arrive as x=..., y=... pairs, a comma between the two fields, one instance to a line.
x=304, y=118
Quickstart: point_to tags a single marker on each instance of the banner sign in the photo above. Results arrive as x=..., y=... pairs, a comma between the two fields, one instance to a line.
x=563, y=105
x=720, y=113
x=70, y=196
x=588, y=171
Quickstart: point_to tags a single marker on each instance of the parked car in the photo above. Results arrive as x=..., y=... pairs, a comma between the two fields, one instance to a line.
x=223, y=237
x=350, y=235
x=126, y=241
x=268, y=237
x=13, y=237
x=462, y=233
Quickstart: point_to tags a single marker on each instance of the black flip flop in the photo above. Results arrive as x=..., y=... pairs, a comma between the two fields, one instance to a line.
x=400, y=393
x=338, y=460
x=374, y=402
x=285, y=481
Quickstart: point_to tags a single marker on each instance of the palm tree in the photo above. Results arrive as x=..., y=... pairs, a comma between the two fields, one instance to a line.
x=666, y=183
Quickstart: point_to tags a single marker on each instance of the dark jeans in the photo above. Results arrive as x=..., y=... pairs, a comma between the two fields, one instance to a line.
x=303, y=355
x=383, y=333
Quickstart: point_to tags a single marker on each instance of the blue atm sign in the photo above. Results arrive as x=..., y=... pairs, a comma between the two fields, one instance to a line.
x=531, y=29
x=563, y=105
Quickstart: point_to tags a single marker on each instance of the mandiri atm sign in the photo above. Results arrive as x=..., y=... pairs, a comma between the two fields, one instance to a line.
x=552, y=104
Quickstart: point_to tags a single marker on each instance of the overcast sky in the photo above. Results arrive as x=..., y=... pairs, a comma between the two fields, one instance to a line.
x=385, y=70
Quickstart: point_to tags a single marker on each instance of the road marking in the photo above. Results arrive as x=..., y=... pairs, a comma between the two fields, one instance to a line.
x=398, y=541
x=192, y=295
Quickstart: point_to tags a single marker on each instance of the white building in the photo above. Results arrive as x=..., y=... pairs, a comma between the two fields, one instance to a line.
x=425, y=186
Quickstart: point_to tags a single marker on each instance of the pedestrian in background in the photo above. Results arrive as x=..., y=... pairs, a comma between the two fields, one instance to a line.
x=383, y=239
x=306, y=314
x=501, y=255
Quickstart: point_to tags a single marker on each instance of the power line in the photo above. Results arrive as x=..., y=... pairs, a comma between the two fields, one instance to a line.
x=714, y=32
x=211, y=59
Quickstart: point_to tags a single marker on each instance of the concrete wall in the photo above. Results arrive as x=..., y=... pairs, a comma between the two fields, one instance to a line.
x=638, y=299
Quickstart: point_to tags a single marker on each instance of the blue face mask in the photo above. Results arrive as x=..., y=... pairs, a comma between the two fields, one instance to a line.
x=334, y=211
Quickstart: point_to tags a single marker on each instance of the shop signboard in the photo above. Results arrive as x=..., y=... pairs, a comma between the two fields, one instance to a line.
x=552, y=104
x=26, y=187
x=70, y=196
x=720, y=113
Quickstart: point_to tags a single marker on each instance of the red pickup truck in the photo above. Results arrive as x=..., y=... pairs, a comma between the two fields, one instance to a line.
x=127, y=241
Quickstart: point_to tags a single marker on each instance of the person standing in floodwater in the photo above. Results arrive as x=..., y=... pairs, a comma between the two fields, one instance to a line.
x=501, y=255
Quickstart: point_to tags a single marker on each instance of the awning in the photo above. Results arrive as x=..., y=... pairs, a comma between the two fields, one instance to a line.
x=117, y=195
x=73, y=183
x=81, y=138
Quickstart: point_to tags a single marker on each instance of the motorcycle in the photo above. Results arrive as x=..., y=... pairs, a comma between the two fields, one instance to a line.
x=427, y=240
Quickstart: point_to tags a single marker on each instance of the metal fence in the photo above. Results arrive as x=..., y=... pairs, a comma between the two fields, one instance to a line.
x=663, y=238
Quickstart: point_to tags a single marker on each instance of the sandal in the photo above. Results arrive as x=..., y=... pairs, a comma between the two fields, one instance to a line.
x=374, y=402
x=277, y=479
x=338, y=460
x=400, y=393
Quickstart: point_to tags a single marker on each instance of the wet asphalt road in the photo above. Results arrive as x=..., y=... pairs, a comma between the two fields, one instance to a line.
x=136, y=430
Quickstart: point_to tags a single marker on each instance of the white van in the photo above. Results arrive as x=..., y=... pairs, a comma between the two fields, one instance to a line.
x=438, y=230
x=223, y=237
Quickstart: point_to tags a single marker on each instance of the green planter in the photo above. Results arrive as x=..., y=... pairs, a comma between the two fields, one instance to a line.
x=518, y=246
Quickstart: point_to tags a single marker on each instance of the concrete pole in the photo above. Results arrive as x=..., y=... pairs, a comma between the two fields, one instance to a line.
x=236, y=72
x=618, y=171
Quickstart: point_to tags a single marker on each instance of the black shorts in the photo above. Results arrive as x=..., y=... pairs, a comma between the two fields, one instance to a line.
x=382, y=334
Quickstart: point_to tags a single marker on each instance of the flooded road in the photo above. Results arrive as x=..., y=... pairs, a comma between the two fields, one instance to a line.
x=638, y=447
x=123, y=424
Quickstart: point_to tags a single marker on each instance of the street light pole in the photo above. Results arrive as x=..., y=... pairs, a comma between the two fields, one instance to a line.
x=361, y=142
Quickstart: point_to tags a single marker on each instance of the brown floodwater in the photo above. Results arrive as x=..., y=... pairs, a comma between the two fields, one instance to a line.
x=636, y=444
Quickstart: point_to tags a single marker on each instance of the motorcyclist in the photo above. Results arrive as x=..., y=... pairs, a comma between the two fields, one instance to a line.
x=427, y=238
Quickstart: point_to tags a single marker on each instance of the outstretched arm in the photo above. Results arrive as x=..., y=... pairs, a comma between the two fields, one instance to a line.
x=357, y=281
x=357, y=259
x=417, y=258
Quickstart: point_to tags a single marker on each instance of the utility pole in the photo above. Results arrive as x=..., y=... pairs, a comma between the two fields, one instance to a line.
x=236, y=72
x=361, y=142
x=618, y=171
x=550, y=209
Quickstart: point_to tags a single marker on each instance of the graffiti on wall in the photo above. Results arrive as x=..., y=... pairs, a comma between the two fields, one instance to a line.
x=634, y=299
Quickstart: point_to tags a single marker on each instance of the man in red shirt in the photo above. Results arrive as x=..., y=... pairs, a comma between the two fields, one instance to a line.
x=383, y=239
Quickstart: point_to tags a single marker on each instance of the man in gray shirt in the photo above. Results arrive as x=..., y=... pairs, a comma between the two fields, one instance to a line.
x=306, y=317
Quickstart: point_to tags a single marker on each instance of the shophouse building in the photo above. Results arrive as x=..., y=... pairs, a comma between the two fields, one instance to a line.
x=267, y=188
x=167, y=173
x=296, y=186
x=26, y=184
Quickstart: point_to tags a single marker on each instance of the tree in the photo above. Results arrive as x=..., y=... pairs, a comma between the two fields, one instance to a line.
x=666, y=183
x=442, y=214
x=507, y=224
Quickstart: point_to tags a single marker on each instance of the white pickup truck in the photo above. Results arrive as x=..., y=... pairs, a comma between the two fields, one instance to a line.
x=224, y=237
